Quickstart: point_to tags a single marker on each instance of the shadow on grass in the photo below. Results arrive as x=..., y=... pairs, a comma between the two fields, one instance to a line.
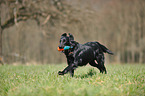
x=89, y=74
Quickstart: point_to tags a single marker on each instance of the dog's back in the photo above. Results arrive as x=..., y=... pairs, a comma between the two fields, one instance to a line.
x=99, y=47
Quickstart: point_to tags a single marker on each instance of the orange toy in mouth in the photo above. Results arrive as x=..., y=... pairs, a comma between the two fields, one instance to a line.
x=60, y=49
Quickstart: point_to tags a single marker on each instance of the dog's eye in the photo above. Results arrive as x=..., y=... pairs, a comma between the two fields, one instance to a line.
x=64, y=40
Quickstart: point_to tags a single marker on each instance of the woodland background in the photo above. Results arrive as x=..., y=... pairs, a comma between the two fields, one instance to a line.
x=30, y=29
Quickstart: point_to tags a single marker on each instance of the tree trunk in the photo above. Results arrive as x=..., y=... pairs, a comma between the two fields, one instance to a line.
x=1, y=58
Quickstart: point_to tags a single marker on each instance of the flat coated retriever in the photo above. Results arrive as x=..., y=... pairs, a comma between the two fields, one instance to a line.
x=81, y=54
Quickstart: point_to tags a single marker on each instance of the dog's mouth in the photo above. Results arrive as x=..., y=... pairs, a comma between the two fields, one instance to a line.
x=60, y=49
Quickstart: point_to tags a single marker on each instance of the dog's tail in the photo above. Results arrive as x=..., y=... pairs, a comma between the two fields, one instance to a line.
x=105, y=49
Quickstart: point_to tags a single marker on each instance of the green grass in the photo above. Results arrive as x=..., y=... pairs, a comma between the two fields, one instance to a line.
x=42, y=80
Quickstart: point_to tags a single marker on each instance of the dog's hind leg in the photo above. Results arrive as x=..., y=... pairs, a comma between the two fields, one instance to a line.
x=100, y=61
x=103, y=68
x=92, y=63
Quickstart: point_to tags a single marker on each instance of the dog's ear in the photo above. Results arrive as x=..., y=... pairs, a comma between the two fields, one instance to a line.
x=73, y=43
x=64, y=34
x=71, y=37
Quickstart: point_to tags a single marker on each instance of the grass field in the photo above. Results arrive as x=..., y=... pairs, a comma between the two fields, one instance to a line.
x=42, y=80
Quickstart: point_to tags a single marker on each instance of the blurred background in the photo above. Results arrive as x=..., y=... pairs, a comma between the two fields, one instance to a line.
x=30, y=29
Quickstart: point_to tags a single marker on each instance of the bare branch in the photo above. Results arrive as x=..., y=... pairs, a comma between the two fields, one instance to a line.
x=46, y=20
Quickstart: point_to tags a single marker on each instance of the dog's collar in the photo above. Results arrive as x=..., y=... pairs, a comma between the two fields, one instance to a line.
x=70, y=53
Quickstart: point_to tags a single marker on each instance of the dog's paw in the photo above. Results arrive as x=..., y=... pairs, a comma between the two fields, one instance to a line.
x=60, y=73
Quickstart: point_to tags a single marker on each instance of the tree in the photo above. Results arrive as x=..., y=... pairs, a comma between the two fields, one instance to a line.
x=14, y=11
x=1, y=58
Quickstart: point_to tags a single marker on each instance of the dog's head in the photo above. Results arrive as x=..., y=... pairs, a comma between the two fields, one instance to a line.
x=65, y=40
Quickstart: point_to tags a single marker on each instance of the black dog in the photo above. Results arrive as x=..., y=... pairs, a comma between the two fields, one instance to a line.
x=81, y=54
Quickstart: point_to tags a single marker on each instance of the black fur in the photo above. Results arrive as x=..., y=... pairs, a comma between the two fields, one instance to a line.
x=81, y=54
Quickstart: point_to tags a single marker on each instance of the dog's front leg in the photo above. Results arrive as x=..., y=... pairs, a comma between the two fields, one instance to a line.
x=67, y=69
x=64, y=71
x=71, y=73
